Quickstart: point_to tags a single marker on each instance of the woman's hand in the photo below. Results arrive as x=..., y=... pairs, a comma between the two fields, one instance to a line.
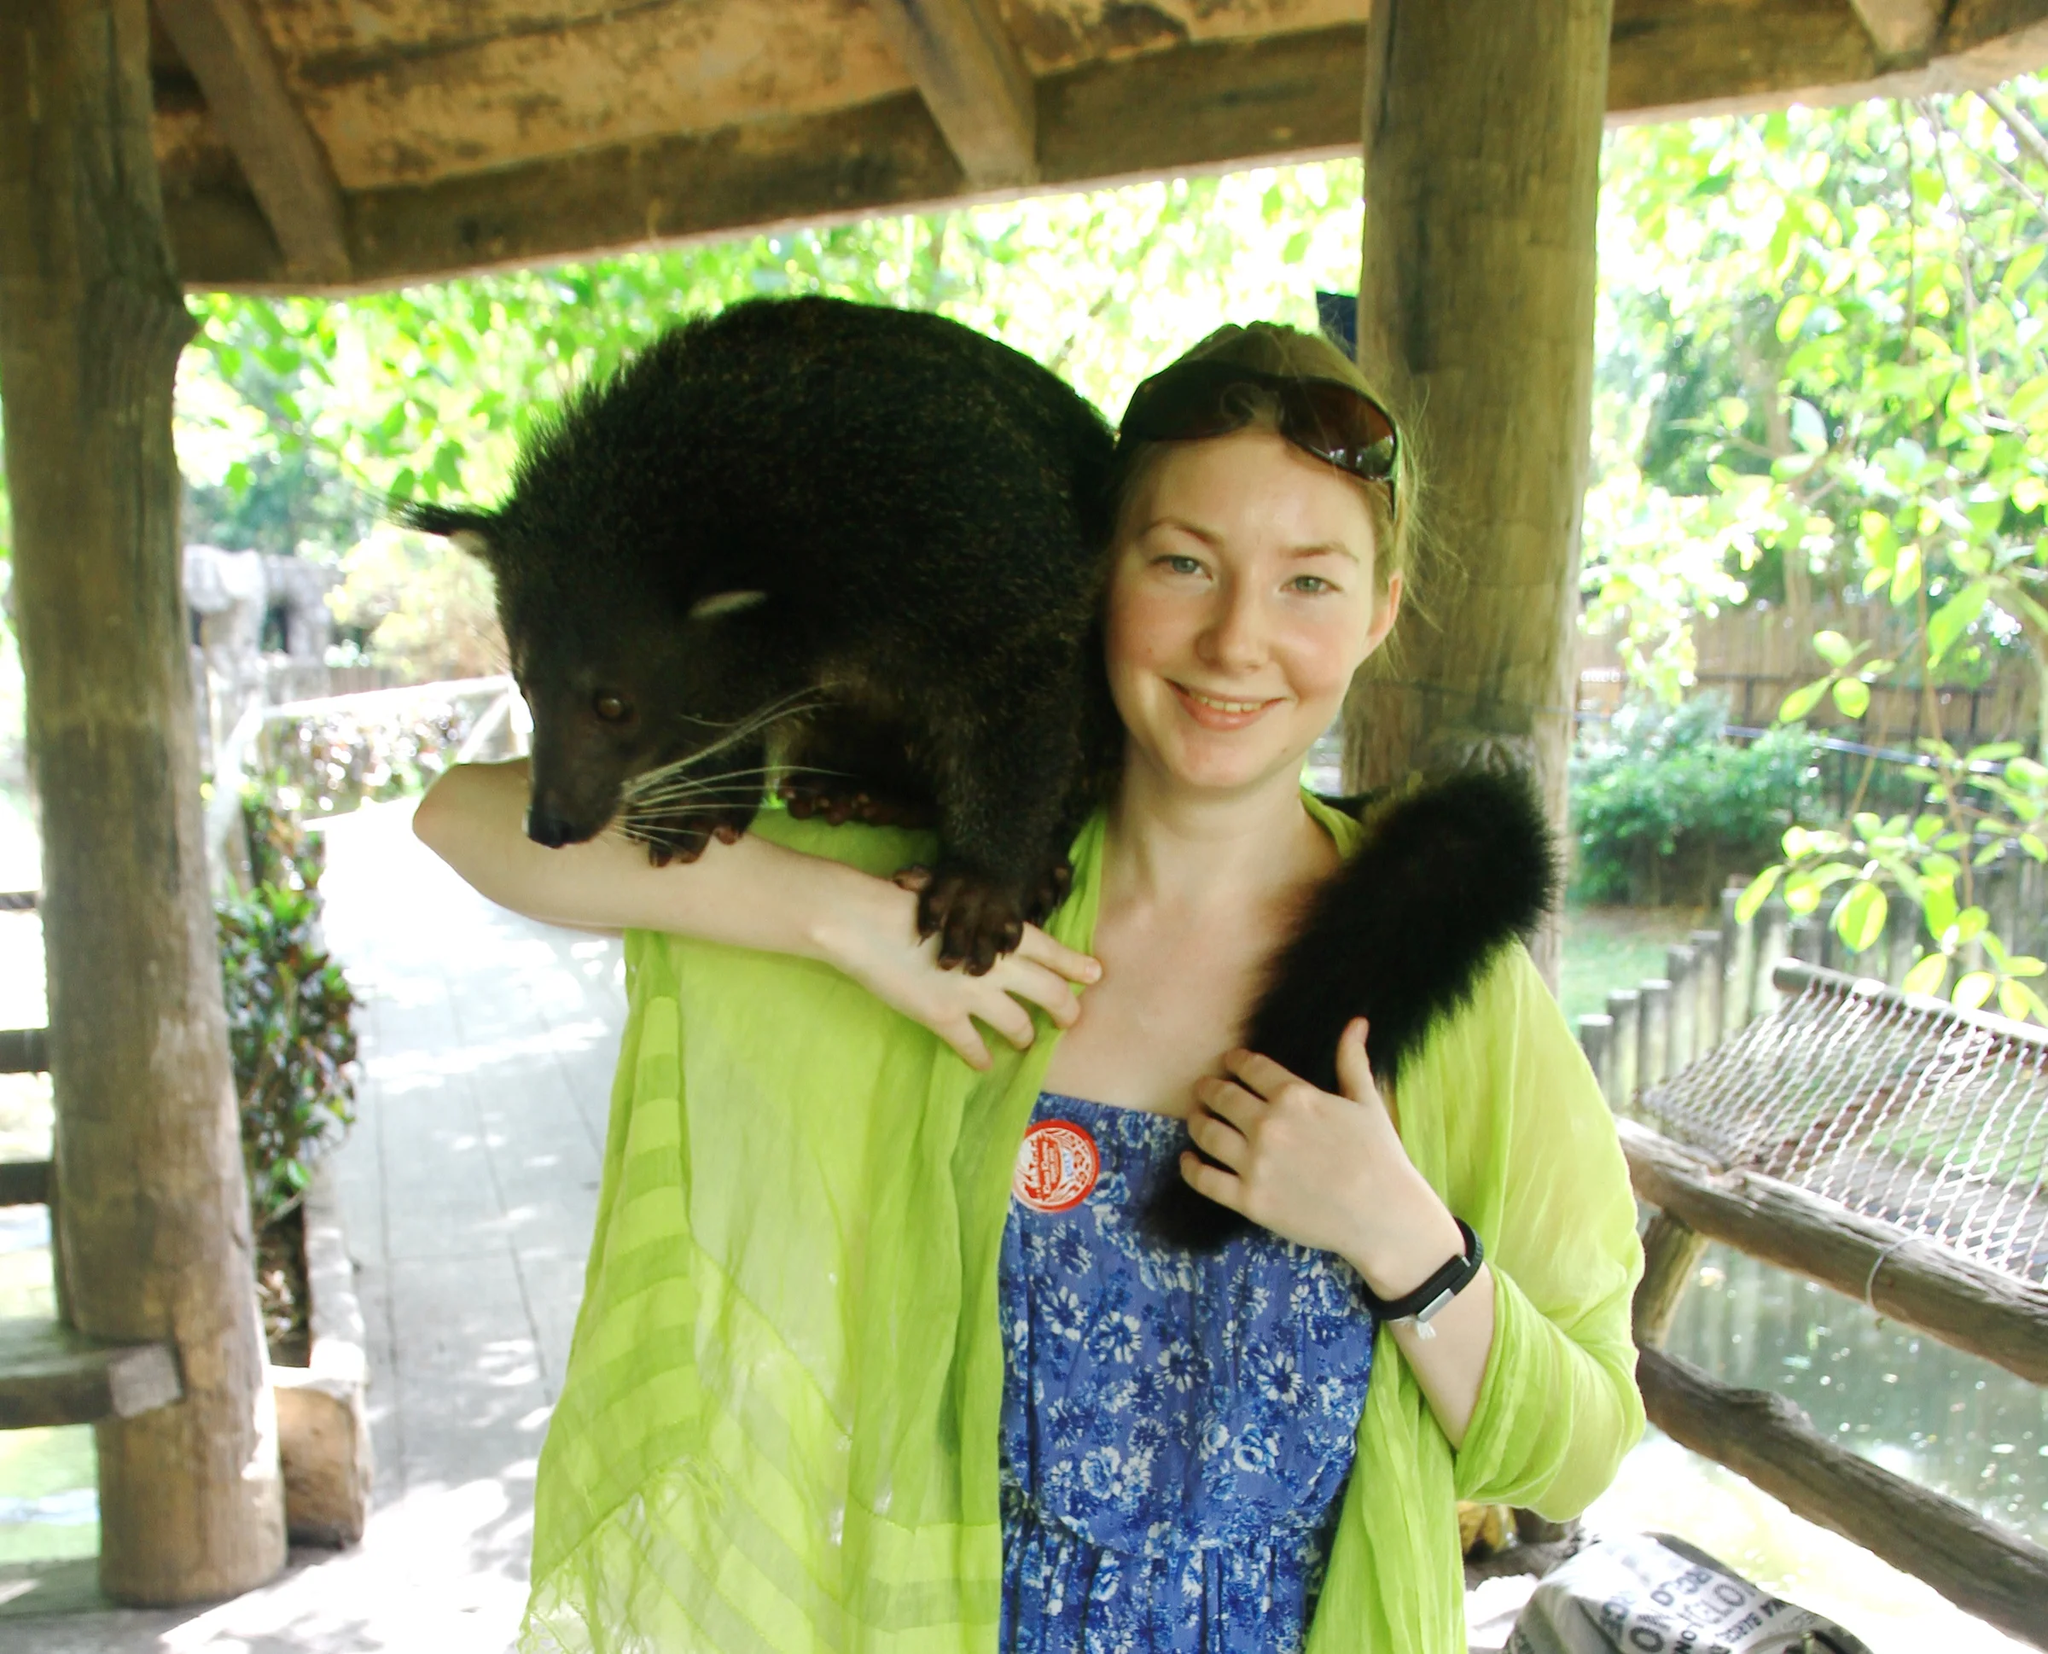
x=1320, y=1169
x=874, y=940
x=1329, y=1171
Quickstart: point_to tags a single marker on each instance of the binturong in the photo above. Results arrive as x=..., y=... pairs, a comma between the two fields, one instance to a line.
x=855, y=548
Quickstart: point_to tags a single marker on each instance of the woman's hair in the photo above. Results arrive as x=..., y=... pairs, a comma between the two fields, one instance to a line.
x=1269, y=347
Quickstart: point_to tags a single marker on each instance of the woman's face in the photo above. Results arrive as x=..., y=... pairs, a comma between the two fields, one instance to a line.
x=1241, y=601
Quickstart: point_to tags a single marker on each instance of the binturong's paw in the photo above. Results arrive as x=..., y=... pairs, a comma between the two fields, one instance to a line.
x=977, y=919
x=683, y=836
x=1050, y=891
x=839, y=801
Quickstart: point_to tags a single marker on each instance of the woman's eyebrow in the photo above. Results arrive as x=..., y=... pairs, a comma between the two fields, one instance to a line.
x=1326, y=548
x=1208, y=536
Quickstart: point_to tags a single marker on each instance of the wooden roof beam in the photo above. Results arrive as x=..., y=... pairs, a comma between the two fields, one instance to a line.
x=974, y=84
x=229, y=55
x=1904, y=30
x=1202, y=107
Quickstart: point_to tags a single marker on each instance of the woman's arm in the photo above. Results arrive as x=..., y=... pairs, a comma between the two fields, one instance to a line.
x=753, y=894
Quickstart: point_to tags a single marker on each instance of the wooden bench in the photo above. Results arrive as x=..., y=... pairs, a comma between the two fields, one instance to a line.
x=50, y=1375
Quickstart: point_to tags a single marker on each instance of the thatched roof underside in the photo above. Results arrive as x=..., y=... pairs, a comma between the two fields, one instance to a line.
x=330, y=144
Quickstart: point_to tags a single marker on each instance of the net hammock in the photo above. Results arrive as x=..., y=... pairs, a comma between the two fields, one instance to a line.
x=1900, y=1108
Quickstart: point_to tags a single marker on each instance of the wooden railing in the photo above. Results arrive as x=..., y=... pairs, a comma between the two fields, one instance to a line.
x=49, y=1372
x=1715, y=984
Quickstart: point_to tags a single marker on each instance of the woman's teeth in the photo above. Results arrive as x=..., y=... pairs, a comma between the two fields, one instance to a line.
x=1222, y=706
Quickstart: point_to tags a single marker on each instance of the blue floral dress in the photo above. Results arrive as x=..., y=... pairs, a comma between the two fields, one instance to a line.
x=1177, y=1427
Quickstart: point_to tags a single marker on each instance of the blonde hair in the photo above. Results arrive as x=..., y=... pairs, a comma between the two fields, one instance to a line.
x=1268, y=347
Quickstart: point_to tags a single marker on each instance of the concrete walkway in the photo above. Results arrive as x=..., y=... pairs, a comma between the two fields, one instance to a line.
x=468, y=1188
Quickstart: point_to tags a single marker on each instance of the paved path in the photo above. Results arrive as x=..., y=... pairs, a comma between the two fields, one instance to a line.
x=468, y=1188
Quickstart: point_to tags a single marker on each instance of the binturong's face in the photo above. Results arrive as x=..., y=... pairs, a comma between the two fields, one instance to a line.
x=1242, y=599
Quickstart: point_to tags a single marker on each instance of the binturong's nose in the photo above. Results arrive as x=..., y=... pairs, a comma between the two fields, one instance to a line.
x=550, y=827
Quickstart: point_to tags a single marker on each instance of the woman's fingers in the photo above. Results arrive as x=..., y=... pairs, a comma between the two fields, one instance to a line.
x=1354, y=1068
x=1046, y=989
x=966, y=1039
x=1041, y=949
x=1229, y=1102
x=1218, y=1139
x=1219, y=1185
x=1261, y=1075
x=1008, y=1018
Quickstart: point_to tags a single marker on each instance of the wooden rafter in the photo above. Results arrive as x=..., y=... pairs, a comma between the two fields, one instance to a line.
x=1903, y=29
x=225, y=48
x=1204, y=106
x=973, y=82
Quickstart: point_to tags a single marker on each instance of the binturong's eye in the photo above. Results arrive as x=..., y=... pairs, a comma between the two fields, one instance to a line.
x=611, y=708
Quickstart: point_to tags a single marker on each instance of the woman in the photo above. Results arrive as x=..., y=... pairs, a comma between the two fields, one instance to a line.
x=852, y=1372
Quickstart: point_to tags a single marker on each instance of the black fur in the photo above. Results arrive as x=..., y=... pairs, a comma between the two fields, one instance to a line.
x=1400, y=935
x=908, y=520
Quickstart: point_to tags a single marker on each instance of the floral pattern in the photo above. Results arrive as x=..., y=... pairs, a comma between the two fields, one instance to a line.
x=1177, y=1427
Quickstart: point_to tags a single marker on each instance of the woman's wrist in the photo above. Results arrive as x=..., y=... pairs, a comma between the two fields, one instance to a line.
x=1413, y=1234
x=847, y=912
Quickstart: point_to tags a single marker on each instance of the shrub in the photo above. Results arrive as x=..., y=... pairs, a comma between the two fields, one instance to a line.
x=1665, y=805
x=290, y=1016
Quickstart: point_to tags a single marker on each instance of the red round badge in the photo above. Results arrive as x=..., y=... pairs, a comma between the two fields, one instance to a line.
x=1057, y=1165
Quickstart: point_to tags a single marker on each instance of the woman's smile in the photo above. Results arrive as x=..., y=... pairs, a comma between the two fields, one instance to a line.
x=1213, y=711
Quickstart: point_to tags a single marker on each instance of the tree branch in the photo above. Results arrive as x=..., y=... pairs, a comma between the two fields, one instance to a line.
x=2024, y=131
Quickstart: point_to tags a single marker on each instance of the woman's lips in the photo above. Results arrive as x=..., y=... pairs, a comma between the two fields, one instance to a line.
x=1218, y=711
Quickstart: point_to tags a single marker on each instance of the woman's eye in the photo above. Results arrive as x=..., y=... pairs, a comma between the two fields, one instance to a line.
x=1175, y=563
x=612, y=709
x=1312, y=583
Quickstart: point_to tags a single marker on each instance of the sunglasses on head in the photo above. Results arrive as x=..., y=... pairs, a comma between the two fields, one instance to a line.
x=1337, y=423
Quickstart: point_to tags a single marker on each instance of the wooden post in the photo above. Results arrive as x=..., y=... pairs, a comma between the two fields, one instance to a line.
x=1596, y=1039
x=1671, y=1252
x=1682, y=1023
x=1624, y=1007
x=1482, y=164
x=154, y=1217
x=1738, y=965
x=1653, y=1048
x=1772, y=944
x=1710, y=982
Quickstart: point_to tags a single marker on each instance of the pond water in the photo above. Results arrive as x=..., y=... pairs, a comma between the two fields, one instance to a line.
x=1949, y=1421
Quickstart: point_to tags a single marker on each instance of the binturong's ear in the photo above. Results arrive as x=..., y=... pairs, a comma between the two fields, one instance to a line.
x=469, y=530
x=725, y=603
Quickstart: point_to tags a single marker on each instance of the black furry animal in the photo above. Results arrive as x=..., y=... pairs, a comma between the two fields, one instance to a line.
x=1400, y=935
x=856, y=546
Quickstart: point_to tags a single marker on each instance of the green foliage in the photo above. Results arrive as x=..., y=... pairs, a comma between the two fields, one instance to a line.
x=1821, y=360
x=1662, y=786
x=291, y=1030
x=1981, y=806
x=291, y=1034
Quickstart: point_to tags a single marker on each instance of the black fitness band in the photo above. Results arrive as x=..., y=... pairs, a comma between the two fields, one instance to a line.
x=1423, y=1304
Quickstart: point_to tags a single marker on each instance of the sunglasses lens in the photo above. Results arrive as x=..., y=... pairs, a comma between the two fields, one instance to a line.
x=1344, y=427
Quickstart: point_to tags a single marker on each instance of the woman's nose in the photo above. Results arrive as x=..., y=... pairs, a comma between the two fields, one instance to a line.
x=1235, y=638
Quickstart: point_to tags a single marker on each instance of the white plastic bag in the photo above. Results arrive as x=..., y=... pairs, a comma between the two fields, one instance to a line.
x=1652, y=1594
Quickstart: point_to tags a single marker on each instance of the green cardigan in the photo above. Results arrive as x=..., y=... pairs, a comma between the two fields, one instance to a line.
x=778, y=1428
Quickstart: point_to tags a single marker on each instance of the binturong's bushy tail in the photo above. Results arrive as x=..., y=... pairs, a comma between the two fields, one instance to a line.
x=1401, y=935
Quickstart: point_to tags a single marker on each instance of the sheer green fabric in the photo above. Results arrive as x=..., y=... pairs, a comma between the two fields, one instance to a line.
x=778, y=1428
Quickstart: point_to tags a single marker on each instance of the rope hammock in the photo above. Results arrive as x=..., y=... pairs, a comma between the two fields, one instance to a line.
x=1900, y=1108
